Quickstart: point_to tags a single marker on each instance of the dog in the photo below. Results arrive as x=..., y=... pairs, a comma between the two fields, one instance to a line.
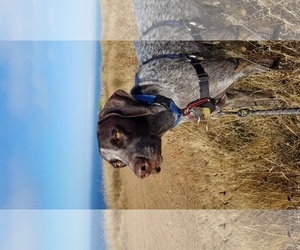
x=174, y=79
x=191, y=20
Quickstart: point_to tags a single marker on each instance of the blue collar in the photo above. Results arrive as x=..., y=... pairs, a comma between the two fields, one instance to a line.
x=167, y=102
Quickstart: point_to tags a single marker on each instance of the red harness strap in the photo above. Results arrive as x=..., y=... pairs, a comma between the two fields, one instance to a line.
x=194, y=104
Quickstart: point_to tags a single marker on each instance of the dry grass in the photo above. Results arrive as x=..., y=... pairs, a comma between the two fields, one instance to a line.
x=252, y=14
x=119, y=21
x=119, y=64
x=230, y=163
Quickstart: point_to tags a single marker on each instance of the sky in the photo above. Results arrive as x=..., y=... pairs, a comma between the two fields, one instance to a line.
x=49, y=94
x=50, y=181
x=50, y=20
x=51, y=229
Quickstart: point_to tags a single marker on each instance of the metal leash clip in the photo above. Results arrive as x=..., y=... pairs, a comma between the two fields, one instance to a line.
x=196, y=113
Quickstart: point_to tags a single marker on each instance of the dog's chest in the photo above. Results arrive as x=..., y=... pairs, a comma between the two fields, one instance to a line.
x=175, y=79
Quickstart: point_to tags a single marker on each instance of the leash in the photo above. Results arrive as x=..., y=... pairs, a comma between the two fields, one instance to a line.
x=191, y=26
x=244, y=112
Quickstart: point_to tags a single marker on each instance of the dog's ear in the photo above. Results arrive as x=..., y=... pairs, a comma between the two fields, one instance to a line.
x=124, y=105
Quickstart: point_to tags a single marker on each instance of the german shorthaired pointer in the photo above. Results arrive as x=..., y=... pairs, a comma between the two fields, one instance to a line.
x=172, y=77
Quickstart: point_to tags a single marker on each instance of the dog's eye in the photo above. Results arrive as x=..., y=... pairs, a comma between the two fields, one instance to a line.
x=119, y=164
x=117, y=135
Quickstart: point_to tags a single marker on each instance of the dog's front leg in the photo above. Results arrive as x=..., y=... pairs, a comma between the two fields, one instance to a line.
x=239, y=99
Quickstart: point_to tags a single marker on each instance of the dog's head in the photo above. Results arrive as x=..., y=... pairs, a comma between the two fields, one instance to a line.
x=126, y=136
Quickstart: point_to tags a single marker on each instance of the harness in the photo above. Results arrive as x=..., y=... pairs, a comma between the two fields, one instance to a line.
x=205, y=102
x=190, y=26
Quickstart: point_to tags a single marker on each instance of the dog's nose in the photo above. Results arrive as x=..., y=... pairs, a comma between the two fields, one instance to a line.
x=143, y=168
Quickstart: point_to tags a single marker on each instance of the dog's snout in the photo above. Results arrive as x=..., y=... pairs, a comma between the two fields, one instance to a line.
x=143, y=168
x=143, y=172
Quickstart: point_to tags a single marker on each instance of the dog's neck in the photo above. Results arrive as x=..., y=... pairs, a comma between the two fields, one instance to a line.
x=165, y=112
x=173, y=91
x=161, y=121
x=158, y=90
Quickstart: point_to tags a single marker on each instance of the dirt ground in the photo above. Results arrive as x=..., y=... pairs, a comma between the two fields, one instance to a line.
x=202, y=229
x=118, y=20
x=224, y=164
